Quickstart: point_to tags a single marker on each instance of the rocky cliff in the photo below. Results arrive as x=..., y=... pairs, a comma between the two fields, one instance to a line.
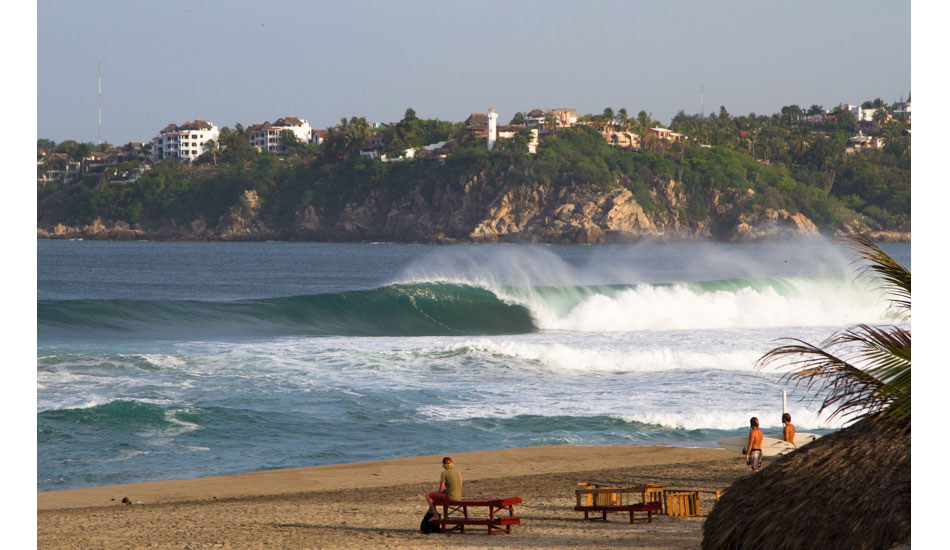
x=488, y=210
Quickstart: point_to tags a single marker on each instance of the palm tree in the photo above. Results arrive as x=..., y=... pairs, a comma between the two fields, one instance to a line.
x=622, y=118
x=550, y=120
x=881, y=115
x=865, y=369
x=211, y=147
x=800, y=140
x=607, y=118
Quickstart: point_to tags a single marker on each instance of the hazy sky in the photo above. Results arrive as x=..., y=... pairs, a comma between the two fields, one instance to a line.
x=245, y=62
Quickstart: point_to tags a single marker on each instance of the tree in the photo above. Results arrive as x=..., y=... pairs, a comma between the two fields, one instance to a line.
x=608, y=117
x=865, y=370
x=643, y=123
x=290, y=142
x=622, y=118
x=409, y=115
x=550, y=120
x=347, y=138
x=211, y=146
x=881, y=115
x=517, y=120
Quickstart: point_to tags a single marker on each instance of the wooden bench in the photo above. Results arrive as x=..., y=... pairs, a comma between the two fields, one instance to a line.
x=611, y=499
x=496, y=523
x=684, y=502
x=649, y=508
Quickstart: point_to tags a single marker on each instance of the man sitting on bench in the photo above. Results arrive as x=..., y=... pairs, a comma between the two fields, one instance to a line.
x=450, y=486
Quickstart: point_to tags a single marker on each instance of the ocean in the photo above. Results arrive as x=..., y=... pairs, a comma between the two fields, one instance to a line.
x=179, y=360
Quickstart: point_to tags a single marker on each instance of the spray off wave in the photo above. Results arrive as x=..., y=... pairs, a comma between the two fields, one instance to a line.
x=736, y=303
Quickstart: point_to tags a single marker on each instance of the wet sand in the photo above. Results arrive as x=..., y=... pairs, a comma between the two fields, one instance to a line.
x=379, y=504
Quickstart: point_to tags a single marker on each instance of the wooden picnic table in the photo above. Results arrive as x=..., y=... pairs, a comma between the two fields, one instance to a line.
x=493, y=517
x=598, y=497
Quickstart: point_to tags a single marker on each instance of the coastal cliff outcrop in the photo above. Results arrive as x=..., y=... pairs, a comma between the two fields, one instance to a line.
x=483, y=209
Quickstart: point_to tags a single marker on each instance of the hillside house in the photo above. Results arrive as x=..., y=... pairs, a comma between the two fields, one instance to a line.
x=318, y=136
x=184, y=142
x=863, y=142
x=534, y=118
x=623, y=139
x=477, y=124
x=901, y=110
x=563, y=118
x=667, y=135
x=60, y=169
x=269, y=137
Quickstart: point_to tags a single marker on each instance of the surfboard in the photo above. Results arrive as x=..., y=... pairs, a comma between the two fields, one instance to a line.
x=803, y=438
x=770, y=445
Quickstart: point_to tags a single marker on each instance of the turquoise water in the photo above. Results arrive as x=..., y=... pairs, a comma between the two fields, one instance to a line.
x=172, y=360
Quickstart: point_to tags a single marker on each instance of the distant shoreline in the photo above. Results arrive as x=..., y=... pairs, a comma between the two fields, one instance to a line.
x=122, y=235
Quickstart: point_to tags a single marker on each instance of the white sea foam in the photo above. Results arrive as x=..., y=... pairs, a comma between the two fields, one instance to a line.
x=632, y=357
x=682, y=307
x=703, y=418
x=734, y=419
x=515, y=274
x=181, y=426
x=78, y=402
x=127, y=454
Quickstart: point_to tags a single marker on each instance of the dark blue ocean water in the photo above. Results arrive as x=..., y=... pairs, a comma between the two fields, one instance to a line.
x=172, y=360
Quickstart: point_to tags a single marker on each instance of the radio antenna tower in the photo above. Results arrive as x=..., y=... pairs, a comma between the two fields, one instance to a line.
x=100, y=103
x=702, y=101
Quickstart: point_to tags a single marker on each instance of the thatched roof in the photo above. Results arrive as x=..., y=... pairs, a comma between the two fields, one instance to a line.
x=849, y=489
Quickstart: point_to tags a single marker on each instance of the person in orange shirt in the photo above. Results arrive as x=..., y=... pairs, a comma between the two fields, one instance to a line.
x=753, y=452
x=788, y=432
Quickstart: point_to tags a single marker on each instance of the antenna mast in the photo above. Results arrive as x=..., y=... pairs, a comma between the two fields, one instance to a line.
x=100, y=103
x=702, y=101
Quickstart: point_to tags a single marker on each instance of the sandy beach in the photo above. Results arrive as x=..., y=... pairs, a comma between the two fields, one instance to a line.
x=378, y=504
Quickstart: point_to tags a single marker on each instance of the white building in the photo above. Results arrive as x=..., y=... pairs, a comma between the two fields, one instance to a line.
x=860, y=113
x=184, y=142
x=267, y=136
x=492, y=128
x=509, y=132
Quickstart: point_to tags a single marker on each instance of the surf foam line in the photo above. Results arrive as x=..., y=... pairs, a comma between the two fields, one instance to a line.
x=734, y=303
x=630, y=359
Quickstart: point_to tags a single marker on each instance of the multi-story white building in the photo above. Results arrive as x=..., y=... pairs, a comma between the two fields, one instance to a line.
x=860, y=113
x=184, y=142
x=267, y=136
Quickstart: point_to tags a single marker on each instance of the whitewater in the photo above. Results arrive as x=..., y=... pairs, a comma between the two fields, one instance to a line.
x=172, y=360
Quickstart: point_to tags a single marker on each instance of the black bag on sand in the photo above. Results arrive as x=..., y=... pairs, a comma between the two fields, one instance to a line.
x=427, y=527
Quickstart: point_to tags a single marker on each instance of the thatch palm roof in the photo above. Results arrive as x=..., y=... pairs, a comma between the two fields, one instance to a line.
x=849, y=489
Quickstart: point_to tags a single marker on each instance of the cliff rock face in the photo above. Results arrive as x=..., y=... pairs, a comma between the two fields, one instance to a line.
x=495, y=211
x=485, y=210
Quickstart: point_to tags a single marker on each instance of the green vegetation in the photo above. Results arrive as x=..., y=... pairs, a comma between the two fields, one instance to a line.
x=875, y=183
x=796, y=169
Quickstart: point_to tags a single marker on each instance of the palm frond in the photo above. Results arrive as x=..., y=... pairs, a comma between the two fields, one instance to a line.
x=848, y=389
x=862, y=370
x=895, y=276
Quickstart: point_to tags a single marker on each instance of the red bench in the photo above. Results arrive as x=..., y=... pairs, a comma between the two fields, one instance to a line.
x=495, y=520
x=648, y=507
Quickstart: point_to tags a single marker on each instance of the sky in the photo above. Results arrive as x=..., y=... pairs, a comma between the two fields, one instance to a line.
x=249, y=61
